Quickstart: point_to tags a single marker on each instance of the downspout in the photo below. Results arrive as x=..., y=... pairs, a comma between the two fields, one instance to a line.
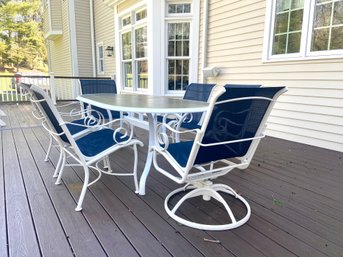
x=91, y=7
x=72, y=36
x=204, y=40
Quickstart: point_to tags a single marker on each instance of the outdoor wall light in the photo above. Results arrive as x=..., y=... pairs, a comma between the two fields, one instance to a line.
x=109, y=51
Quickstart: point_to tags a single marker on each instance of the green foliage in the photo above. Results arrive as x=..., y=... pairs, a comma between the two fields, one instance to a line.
x=21, y=38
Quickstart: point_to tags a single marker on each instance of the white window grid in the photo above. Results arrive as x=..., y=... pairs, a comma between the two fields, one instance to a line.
x=100, y=58
x=132, y=27
x=306, y=36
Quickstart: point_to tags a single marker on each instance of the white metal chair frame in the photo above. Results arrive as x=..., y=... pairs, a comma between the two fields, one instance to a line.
x=53, y=141
x=72, y=149
x=200, y=182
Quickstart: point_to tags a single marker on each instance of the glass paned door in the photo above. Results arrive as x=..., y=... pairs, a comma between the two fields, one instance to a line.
x=178, y=55
x=134, y=48
x=141, y=57
x=127, y=59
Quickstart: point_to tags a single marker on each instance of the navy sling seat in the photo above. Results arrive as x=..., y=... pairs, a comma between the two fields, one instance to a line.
x=99, y=86
x=232, y=128
x=90, y=147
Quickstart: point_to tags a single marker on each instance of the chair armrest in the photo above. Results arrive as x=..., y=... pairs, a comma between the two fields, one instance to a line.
x=67, y=105
x=162, y=137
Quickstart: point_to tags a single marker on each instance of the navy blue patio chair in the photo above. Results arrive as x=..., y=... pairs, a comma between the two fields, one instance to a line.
x=87, y=149
x=196, y=92
x=232, y=128
x=100, y=86
x=83, y=118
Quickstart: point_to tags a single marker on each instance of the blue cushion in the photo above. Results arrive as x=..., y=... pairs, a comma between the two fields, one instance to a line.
x=94, y=86
x=198, y=92
x=190, y=125
x=74, y=129
x=160, y=119
x=115, y=114
x=195, y=92
x=180, y=151
x=98, y=141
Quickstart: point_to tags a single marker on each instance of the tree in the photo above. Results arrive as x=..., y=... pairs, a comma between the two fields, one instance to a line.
x=20, y=31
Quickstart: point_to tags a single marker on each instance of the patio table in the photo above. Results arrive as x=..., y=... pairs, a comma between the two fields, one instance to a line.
x=144, y=104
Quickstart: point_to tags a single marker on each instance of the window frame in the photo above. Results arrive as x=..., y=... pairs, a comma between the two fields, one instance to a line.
x=157, y=44
x=132, y=27
x=305, y=52
x=193, y=19
x=99, y=60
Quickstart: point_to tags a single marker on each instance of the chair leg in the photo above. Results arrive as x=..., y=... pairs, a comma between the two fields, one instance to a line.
x=49, y=148
x=58, y=166
x=84, y=189
x=61, y=168
x=207, y=191
x=107, y=164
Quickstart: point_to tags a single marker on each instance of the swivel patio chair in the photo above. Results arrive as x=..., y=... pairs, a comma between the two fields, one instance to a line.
x=87, y=149
x=232, y=129
x=100, y=86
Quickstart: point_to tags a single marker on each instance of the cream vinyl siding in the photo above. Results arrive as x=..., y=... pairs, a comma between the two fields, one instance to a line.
x=83, y=38
x=56, y=15
x=104, y=32
x=60, y=56
x=45, y=18
x=126, y=4
x=53, y=8
x=311, y=112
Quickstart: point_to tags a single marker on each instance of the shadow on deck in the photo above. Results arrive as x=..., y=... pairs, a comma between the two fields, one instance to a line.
x=295, y=192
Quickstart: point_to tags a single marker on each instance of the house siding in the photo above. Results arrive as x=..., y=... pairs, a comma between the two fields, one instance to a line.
x=60, y=57
x=83, y=34
x=45, y=18
x=105, y=33
x=60, y=48
x=126, y=4
x=56, y=15
x=311, y=111
x=53, y=8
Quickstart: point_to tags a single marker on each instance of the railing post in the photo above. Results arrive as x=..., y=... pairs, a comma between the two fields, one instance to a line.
x=52, y=87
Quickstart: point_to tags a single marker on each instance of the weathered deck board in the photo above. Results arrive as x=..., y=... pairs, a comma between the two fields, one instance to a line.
x=20, y=227
x=3, y=227
x=294, y=191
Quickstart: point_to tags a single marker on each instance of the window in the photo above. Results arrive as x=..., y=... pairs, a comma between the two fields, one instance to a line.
x=178, y=32
x=100, y=58
x=304, y=29
x=134, y=59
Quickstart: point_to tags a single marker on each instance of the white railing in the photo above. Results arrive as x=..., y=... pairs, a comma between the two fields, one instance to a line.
x=59, y=87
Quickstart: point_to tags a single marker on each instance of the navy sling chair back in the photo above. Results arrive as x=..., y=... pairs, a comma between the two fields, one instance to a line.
x=88, y=149
x=196, y=92
x=232, y=128
x=100, y=86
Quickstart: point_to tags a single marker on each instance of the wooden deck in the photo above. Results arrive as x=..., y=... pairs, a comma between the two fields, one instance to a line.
x=295, y=192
